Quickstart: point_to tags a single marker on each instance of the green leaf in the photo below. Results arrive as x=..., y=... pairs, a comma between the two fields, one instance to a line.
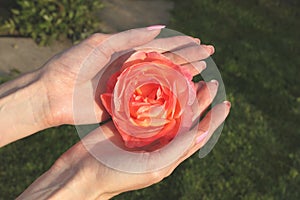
x=56, y=18
x=15, y=11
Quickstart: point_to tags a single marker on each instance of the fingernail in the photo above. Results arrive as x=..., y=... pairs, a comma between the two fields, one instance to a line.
x=215, y=82
x=201, y=137
x=210, y=48
x=227, y=103
x=197, y=40
x=203, y=65
x=155, y=27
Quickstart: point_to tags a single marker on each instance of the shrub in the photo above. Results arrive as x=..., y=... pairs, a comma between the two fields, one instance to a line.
x=46, y=20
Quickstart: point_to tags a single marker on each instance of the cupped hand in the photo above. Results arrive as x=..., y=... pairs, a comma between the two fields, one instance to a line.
x=76, y=72
x=77, y=172
x=77, y=68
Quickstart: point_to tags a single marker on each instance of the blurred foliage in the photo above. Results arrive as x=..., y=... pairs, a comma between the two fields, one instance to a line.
x=48, y=20
x=258, y=153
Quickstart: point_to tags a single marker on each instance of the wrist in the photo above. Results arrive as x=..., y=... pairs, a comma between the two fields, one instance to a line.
x=65, y=181
x=52, y=185
x=40, y=104
x=23, y=108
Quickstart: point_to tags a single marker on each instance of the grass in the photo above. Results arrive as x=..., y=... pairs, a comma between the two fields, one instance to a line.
x=258, y=155
x=257, y=51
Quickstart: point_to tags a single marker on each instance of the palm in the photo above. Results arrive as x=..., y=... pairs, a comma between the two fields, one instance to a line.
x=97, y=175
x=76, y=73
x=73, y=77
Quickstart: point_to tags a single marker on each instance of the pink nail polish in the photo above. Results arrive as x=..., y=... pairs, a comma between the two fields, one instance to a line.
x=201, y=137
x=212, y=49
x=227, y=103
x=155, y=27
x=209, y=48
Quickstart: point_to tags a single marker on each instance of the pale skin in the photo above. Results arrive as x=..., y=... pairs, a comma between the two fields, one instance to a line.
x=45, y=98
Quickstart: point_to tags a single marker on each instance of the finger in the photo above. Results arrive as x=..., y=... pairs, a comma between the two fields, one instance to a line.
x=206, y=128
x=209, y=48
x=195, y=67
x=122, y=41
x=197, y=40
x=162, y=45
x=84, y=48
x=212, y=120
x=191, y=57
x=95, y=39
x=129, y=39
x=189, y=54
x=102, y=53
x=205, y=95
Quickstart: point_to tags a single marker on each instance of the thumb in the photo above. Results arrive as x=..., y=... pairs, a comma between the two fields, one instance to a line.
x=118, y=42
x=131, y=38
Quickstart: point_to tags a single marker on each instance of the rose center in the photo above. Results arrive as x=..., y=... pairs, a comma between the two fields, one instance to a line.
x=148, y=105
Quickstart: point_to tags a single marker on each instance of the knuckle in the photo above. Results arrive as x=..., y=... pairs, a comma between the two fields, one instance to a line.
x=96, y=36
x=157, y=176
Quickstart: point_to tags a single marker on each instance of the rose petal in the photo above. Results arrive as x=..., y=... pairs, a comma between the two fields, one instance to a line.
x=150, y=99
x=106, y=101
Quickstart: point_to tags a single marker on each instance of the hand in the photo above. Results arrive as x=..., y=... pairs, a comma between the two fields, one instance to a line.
x=77, y=173
x=45, y=96
x=79, y=67
x=77, y=72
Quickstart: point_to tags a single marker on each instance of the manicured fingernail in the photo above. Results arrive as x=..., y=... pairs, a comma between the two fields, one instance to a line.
x=202, y=65
x=197, y=40
x=155, y=27
x=201, y=137
x=227, y=103
x=215, y=82
x=210, y=49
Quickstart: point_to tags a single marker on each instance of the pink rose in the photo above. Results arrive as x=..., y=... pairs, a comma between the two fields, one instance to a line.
x=150, y=100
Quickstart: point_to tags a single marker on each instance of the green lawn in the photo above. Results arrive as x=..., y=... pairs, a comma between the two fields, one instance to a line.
x=258, y=153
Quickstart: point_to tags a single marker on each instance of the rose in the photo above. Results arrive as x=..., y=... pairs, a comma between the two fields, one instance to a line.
x=150, y=100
